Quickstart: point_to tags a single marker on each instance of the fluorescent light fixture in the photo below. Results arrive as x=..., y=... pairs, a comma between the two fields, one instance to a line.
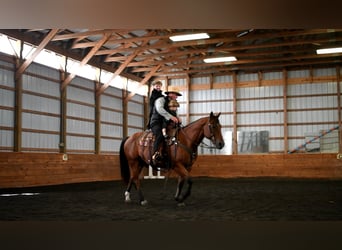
x=220, y=59
x=189, y=37
x=329, y=51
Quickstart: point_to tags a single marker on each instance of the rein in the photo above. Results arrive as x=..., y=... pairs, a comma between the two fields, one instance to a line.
x=204, y=145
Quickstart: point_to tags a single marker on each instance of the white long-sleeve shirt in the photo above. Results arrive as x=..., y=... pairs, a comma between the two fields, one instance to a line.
x=159, y=104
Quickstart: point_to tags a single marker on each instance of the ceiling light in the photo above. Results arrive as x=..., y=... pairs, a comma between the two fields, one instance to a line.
x=329, y=51
x=220, y=59
x=189, y=37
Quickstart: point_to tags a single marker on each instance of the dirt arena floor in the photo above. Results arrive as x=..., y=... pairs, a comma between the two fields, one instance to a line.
x=212, y=199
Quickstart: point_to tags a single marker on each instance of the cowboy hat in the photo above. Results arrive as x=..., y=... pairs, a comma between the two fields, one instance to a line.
x=173, y=92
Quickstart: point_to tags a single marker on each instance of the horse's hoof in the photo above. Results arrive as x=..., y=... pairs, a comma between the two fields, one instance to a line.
x=143, y=203
x=181, y=204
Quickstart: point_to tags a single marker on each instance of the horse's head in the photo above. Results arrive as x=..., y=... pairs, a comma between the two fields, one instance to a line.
x=212, y=131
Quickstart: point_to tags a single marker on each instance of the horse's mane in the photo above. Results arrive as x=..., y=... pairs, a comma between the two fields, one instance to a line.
x=195, y=122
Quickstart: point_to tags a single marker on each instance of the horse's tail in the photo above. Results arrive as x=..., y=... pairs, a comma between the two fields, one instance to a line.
x=125, y=173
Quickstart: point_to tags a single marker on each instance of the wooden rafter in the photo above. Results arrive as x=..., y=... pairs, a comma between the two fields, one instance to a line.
x=86, y=59
x=40, y=47
x=117, y=72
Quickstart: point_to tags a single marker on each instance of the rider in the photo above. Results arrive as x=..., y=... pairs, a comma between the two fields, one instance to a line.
x=161, y=111
x=155, y=94
x=173, y=105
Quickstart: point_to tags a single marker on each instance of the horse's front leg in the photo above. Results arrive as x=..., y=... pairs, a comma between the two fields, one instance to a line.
x=183, y=178
x=179, y=188
x=181, y=198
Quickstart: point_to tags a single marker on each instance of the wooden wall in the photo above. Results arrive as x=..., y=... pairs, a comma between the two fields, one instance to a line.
x=38, y=169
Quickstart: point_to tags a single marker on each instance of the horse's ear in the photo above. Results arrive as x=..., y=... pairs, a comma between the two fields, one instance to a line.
x=218, y=115
x=211, y=114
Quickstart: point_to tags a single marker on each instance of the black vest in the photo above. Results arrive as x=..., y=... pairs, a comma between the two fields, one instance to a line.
x=156, y=117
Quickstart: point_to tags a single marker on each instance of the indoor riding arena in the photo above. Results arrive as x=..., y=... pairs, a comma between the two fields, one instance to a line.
x=69, y=97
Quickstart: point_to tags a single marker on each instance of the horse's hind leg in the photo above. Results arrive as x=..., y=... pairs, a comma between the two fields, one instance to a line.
x=128, y=191
x=135, y=180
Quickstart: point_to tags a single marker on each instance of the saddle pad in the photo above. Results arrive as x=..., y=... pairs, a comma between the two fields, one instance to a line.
x=146, y=139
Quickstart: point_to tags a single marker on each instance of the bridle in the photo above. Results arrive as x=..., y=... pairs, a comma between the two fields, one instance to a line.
x=211, y=136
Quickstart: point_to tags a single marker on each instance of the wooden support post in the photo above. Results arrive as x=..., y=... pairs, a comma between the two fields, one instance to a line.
x=338, y=82
x=124, y=113
x=63, y=105
x=286, y=143
x=235, y=127
x=259, y=78
x=187, y=108
x=97, y=118
x=18, y=110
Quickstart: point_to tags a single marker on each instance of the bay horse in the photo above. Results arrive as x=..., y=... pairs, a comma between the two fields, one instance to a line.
x=135, y=155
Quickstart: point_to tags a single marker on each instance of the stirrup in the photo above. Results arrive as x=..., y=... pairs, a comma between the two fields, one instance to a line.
x=157, y=156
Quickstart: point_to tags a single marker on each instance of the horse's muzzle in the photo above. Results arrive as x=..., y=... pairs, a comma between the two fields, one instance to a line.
x=220, y=144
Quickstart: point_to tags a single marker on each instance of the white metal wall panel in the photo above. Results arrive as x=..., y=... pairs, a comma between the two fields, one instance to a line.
x=81, y=111
x=41, y=86
x=247, y=77
x=276, y=145
x=226, y=120
x=42, y=70
x=301, y=130
x=42, y=104
x=298, y=73
x=84, y=83
x=7, y=98
x=324, y=72
x=111, y=130
x=113, y=91
x=80, y=143
x=312, y=89
x=303, y=113
x=81, y=95
x=6, y=118
x=108, y=145
x=137, y=108
x=6, y=64
x=7, y=139
x=111, y=102
x=41, y=122
x=259, y=119
x=214, y=94
x=223, y=79
x=177, y=82
x=80, y=127
x=80, y=90
x=6, y=78
x=39, y=141
x=136, y=121
x=111, y=116
x=137, y=98
x=272, y=75
x=200, y=80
